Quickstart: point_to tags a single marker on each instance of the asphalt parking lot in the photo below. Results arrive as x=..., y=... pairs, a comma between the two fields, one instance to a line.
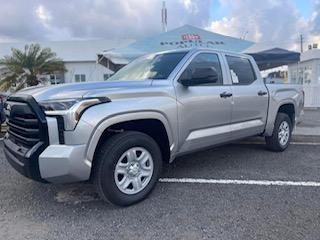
x=29, y=210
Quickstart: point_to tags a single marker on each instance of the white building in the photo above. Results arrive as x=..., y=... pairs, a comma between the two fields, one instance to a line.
x=79, y=57
x=307, y=73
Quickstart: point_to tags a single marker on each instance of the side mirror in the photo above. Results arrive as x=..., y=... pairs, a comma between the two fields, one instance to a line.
x=200, y=75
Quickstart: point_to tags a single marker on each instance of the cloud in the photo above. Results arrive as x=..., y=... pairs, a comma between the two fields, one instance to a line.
x=18, y=20
x=271, y=23
x=83, y=19
x=43, y=14
x=315, y=19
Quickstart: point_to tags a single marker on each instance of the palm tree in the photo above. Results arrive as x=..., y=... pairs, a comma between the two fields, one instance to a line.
x=24, y=67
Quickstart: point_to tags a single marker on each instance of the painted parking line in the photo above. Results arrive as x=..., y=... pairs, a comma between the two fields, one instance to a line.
x=293, y=143
x=306, y=143
x=240, y=182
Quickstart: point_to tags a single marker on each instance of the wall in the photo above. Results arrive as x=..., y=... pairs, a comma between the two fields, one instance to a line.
x=307, y=73
x=310, y=54
x=92, y=70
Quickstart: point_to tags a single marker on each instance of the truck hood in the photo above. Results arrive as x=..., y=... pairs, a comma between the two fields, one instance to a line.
x=85, y=90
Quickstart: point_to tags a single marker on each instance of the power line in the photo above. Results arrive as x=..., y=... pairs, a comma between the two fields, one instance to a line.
x=290, y=40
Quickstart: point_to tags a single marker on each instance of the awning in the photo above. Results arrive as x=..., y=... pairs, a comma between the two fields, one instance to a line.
x=275, y=57
x=184, y=37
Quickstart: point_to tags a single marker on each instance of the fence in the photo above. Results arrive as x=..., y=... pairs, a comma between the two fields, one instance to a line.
x=312, y=95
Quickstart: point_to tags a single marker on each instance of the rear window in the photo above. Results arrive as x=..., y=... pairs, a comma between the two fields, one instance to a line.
x=241, y=70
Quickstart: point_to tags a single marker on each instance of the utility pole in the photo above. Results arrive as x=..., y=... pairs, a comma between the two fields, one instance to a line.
x=164, y=17
x=301, y=43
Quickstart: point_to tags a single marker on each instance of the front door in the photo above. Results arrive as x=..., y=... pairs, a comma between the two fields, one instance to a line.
x=204, y=108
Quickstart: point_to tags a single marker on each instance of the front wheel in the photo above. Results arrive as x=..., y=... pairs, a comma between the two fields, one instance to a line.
x=281, y=135
x=128, y=167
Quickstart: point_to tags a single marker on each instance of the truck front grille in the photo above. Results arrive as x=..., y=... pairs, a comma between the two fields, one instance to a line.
x=23, y=125
x=27, y=135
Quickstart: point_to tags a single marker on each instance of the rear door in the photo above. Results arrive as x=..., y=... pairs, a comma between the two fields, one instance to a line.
x=250, y=97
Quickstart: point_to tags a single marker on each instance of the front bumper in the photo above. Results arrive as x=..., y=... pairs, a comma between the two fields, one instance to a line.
x=33, y=145
x=56, y=164
x=64, y=163
x=25, y=163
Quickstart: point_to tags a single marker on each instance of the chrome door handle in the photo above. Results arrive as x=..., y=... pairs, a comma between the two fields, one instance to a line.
x=225, y=95
x=262, y=93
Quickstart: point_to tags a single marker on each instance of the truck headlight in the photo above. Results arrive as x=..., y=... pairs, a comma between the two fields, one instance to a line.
x=58, y=105
x=70, y=109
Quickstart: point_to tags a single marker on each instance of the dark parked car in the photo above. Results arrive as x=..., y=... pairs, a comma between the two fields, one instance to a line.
x=3, y=98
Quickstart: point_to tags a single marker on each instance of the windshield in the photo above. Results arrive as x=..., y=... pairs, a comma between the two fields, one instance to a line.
x=153, y=66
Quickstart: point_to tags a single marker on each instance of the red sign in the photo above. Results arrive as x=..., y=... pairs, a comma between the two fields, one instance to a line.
x=190, y=36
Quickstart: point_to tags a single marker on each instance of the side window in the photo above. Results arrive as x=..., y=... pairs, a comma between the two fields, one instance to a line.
x=204, y=69
x=241, y=70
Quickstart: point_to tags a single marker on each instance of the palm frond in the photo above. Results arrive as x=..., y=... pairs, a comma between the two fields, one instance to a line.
x=32, y=62
x=7, y=82
x=20, y=86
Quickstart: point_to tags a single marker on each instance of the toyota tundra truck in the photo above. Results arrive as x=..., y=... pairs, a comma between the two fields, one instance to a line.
x=118, y=133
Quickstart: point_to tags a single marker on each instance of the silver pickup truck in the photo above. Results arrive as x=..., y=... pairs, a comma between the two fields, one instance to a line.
x=118, y=133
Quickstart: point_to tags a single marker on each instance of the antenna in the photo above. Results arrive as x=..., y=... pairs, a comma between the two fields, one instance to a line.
x=164, y=17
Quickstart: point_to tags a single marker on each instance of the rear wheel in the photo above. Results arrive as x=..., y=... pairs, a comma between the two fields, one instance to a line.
x=128, y=167
x=281, y=135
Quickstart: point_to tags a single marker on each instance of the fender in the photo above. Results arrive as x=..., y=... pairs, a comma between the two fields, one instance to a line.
x=118, y=118
x=272, y=115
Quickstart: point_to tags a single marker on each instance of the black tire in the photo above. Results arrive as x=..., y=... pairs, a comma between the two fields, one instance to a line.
x=273, y=142
x=107, y=157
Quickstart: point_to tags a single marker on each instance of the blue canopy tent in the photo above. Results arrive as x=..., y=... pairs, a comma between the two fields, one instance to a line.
x=183, y=37
x=275, y=57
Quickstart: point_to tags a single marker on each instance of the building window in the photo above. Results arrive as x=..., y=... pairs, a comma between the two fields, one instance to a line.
x=56, y=79
x=307, y=75
x=80, y=77
x=106, y=76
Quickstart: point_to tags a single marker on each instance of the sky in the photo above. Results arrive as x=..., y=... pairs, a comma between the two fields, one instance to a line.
x=268, y=22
